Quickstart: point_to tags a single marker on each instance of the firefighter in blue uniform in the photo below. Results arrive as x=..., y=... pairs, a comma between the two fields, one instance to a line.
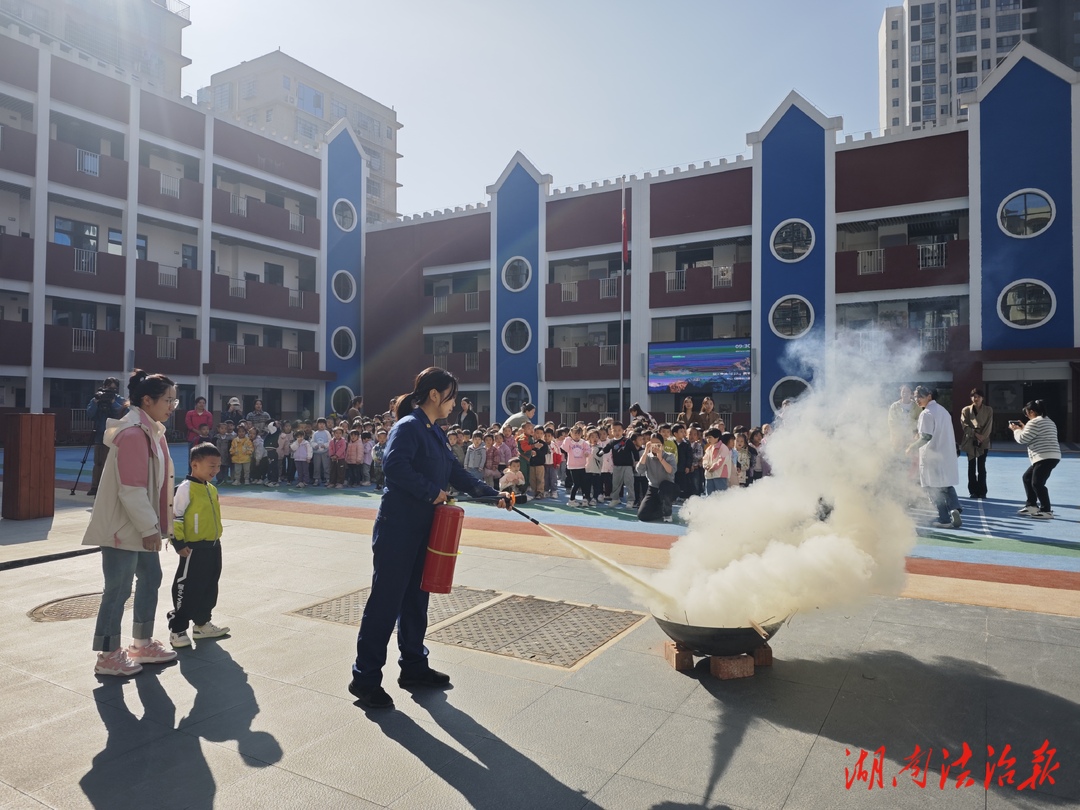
x=419, y=468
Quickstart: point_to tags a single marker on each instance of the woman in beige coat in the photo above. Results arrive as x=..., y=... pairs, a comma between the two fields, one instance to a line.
x=133, y=511
x=977, y=422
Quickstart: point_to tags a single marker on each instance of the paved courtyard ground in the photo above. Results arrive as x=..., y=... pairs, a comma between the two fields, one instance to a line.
x=979, y=652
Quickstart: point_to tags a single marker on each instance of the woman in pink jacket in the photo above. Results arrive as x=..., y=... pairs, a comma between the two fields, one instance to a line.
x=196, y=418
x=133, y=511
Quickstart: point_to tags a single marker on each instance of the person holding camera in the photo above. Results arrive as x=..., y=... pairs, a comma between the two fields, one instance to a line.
x=106, y=404
x=977, y=422
x=659, y=467
x=1040, y=436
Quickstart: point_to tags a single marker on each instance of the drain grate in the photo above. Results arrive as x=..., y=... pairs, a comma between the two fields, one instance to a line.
x=349, y=608
x=83, y=606
x=537, y=630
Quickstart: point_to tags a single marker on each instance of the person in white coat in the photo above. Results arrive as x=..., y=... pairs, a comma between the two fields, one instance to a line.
x=936, y=445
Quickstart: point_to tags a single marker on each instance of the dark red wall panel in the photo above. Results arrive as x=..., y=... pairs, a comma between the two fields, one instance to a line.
x=158, y=114
x=589, y=219
x=902, y=172
x=702, y=203
x=266, y=155
x=84, y=88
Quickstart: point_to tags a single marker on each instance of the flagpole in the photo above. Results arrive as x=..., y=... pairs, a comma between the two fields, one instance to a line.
x=622, y=294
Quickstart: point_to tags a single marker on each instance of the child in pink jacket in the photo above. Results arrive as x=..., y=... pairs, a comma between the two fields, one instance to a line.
x=577, y=452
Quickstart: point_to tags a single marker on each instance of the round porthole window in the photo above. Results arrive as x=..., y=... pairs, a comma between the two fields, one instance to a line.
x=344, y=286
x=514, y=396
x=516, y=274
x=1026, y=304
x=1027, y=213
x=341, y=399
x=791, y=317
x=792, y=240
x=516, y=336
x=343, y=343
x=787, y=388
x=345, y=215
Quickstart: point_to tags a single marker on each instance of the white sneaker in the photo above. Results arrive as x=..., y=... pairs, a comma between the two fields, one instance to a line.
x=1028, y=510
x=1044, y=515
x=116, y=663
x=180, y=639
x=592, y=502
x=601, y=499
x=208, y=630
x=955, y=515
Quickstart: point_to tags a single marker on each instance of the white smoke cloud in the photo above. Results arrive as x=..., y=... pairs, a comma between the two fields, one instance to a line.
x=762, y=552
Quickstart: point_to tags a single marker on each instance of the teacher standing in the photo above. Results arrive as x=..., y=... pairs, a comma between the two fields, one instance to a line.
x=419, y=468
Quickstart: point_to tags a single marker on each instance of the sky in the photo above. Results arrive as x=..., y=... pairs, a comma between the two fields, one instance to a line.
x=586, y=89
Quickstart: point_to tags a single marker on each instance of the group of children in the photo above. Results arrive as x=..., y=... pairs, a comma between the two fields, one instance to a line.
x=596, y=462
x=600, y=461
x=332, y=453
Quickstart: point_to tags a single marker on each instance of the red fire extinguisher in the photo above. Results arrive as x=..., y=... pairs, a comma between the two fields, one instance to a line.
x=442, y=551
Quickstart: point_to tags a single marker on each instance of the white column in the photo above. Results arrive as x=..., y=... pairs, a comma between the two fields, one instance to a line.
x=640, y=314
x=206, y=270
x=129, y=223
x=39, y=203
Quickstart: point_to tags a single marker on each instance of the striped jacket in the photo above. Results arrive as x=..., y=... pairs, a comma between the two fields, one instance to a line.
x=1041, y=437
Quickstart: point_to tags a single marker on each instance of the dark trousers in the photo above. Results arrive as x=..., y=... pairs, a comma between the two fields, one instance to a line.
x=271, y=466
x=1035, y=478
x=656, y=504
x=592, y=486
x=641, y=486
x=288, y=469
x=399, y=548
x=337, y=472
x=575, y=480
x=195, y=586
x=352, y=475
x=101, y=452
x=977, y=476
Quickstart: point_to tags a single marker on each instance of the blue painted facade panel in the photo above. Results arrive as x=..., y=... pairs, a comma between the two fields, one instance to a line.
x=1025, y=136
x=344, y=250
x=517, y=233
x=792, y=187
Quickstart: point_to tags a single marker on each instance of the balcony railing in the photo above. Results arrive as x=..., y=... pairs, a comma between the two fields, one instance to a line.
x=440, y=360
x=675, y=281
x=238, y=205
x=167, y=276
x=82, y=340
x=722, y=276
x=237, y=354
x=569, y=357
x=238, y=287
x=609, y=355
x=88, y=162
x=609, y=287
x=472, y=301
x=934, y=339
x=81, y=422
x=932, y=255
x=871, y=262
x=170, y=186
x=166, y=348
x=296, y=359
x=569, y=291
x=472, y=361
x=86, y=261
x=296, y=298
x=440, y=304
x=296, y=222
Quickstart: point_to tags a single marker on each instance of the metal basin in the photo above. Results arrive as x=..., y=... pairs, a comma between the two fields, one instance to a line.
x=717, y=640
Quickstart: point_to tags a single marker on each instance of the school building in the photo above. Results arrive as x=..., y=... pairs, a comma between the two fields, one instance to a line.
x=959, y=239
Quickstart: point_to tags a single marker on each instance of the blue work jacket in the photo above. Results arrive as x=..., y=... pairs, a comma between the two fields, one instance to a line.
x=418, y=462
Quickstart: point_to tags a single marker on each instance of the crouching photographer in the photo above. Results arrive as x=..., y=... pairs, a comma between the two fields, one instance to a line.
x=106, y=404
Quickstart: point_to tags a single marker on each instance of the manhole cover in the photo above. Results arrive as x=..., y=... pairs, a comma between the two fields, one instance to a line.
x=83, y=606
x=538, y=630
x=349, y=608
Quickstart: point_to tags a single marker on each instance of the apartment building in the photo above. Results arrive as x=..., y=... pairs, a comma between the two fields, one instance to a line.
x=949, y=238
x=282, y=98
x=137, y=229
x=930, y=54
